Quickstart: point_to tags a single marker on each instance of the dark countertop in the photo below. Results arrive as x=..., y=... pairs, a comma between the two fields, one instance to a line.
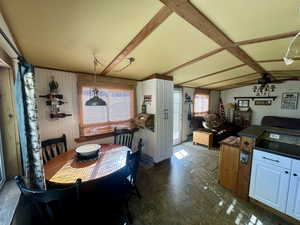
x=256, y=131
x=279, y=148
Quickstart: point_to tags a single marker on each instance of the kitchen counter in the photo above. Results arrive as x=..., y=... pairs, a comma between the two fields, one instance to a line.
x=256, y=131
x=287, y=145
x=279, y=148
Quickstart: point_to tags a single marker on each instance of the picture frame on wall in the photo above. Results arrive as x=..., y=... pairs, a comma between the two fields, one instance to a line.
x=243, y=103
x=289, y=100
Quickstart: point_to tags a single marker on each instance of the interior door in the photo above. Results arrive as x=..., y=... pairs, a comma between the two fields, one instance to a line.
x=177, y=116
x=293, y=205
x=269, y=185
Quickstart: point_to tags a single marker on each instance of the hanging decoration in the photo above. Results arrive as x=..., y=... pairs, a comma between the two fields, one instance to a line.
x=221, y=110
x=188, y=100
x=55, y=101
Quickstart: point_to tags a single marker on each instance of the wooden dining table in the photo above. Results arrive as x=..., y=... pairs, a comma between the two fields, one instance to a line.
x=66, y=169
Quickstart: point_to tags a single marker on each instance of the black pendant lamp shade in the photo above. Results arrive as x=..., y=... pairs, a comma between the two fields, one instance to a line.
x=95, y=100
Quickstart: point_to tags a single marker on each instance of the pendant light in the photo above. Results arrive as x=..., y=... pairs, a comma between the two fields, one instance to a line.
x=95, y=100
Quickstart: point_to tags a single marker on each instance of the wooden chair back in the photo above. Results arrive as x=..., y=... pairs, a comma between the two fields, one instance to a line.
x=53, y=206
x=133, y=161
x=53, y=147
x=123, y=137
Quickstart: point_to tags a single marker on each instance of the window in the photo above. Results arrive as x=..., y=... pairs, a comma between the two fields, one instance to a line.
x=104, y=108
x=201, y=102
x=2, y=172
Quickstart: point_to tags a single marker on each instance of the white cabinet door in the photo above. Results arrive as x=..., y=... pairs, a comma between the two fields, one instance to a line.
x=269, y=184
x=160, y=98
x=293, y=205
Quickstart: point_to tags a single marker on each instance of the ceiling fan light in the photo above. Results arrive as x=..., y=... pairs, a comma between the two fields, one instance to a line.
x=288, y=61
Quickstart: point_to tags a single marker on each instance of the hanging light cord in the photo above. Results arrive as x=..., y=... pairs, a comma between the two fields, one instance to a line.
x=97, y=61
x=130, y=61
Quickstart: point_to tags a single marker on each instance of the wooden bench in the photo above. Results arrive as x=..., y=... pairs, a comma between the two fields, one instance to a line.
x=203, y=137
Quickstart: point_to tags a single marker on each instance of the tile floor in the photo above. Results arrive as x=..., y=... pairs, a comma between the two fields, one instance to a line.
x=185, y=191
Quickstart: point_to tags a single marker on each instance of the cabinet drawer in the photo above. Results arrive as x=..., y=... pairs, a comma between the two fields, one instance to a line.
x=273, y=159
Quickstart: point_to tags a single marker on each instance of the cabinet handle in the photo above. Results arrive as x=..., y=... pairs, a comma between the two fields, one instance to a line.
x=294, y=174
x=273, y=160
x=287, y=172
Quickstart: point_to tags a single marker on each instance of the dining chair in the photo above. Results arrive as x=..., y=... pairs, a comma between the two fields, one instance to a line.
x=133, y=161
x=53, y=147
x=123, y=137
x=113, y=193
x=56, y=206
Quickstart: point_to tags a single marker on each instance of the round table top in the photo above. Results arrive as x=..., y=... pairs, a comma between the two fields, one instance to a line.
x=65, y=169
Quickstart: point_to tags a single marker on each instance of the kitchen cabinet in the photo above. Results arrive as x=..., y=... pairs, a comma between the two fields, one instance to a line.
x=158, y=143
x=229, y=163
x=293, y=204
x=275, y=182
x=269, y=184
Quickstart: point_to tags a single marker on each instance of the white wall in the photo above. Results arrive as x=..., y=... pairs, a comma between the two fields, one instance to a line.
x=260, y=111
x=50, y=128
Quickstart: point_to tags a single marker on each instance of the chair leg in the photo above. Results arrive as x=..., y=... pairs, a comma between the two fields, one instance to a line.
x=128, y=213
x=137, y=192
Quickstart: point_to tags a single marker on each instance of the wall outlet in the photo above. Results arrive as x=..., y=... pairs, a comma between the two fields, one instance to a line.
x=275, y=136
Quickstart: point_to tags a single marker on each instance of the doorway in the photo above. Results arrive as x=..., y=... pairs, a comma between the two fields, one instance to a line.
x=177, y=117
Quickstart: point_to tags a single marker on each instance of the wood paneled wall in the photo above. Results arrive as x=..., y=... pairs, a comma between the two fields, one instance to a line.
x=68, y=87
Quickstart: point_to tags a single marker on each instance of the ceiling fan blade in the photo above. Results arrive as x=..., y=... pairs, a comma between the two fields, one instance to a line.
x=279, y=81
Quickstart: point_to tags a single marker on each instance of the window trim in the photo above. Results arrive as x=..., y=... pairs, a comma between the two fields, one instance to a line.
x=2, y=169
x=104, y=85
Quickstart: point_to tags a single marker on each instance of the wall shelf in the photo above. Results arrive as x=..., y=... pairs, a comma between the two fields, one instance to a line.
x=257, y=97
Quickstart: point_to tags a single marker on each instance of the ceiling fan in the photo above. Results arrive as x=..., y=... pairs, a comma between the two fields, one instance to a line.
x=268, y=78
x=266, y=84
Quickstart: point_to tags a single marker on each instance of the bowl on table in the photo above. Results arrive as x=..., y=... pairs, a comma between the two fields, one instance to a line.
x=88, y=151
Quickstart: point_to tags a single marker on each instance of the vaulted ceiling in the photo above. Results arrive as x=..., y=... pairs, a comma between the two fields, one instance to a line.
x=212, y=44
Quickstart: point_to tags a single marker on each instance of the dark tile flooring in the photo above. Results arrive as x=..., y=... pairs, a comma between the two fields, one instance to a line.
x=185, y=191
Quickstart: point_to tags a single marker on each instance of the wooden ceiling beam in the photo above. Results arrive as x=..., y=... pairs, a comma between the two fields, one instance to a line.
x=211, y=74
x=245, y=42
x=158, y=19
x=193, y=16
x=236, y=85
x=275, y=60
x=267, y=38
x=234, y=78
x=213, y=52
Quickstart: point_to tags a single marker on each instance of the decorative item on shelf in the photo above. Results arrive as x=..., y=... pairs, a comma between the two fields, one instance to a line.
x=55, y=100
x=262, y=102
x=289, y=100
